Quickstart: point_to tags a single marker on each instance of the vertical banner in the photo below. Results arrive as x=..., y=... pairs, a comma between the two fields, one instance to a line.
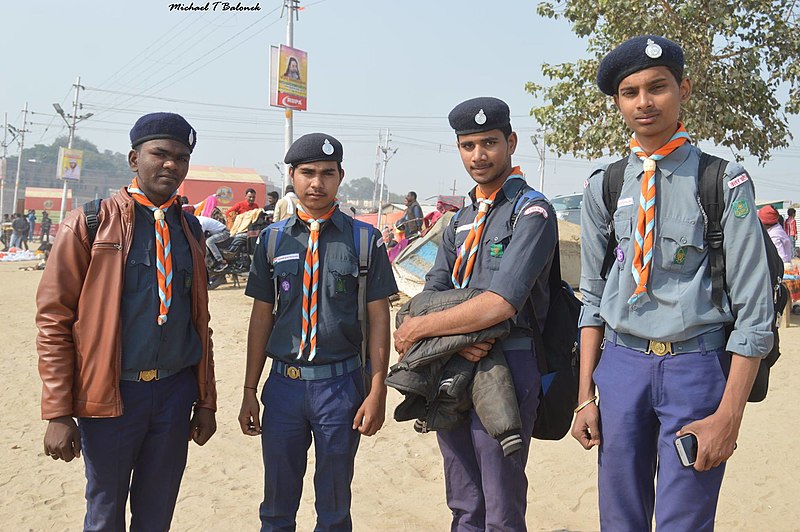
x=69, y=164
x=292, y=78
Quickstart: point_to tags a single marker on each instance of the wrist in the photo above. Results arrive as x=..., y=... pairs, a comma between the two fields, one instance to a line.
x=250, y=389
x=583, y=404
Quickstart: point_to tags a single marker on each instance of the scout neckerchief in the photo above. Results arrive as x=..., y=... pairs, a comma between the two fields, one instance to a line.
x=311, y=280
x=163, y=247
x=646, y=217
x=469, y=249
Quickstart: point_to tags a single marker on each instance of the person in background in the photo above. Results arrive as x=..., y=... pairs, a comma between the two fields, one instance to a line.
x=31, y=223
x=215, y=232
x=770, y=220
x=790, y=226
x=269, y=208
x=248, y=204
x=20, y=226
x=45, y=227
x=286, y=205
x=411, y=222
x=7, y=231
x=388, y=237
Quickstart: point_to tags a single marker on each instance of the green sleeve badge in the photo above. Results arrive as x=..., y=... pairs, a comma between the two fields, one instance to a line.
x=741, y=208
x=680, y=256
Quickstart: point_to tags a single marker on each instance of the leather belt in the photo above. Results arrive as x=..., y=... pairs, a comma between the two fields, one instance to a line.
x=148, y=375
x=313, y=373
x=704, y=342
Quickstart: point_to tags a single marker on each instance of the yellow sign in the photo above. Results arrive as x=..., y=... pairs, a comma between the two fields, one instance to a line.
x=70, y=163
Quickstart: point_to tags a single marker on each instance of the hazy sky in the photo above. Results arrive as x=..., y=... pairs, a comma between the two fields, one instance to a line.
x=372, y=64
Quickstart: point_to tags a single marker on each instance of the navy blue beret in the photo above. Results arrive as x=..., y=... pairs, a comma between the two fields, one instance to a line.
x=163, y=126
x=479, y=114
x=314, y=147
x=638, y=53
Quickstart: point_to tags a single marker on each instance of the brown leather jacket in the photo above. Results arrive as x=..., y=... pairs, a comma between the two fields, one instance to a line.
x=78, y=315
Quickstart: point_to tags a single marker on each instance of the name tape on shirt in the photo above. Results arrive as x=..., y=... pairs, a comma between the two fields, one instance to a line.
x=284, y=258
x=535, y=209
x=624, y=202
x=736, y=181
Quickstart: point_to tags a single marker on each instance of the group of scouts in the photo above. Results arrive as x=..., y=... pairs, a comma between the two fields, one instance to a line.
x=125, y=348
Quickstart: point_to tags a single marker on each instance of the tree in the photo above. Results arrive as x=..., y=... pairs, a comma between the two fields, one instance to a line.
x=739, y=55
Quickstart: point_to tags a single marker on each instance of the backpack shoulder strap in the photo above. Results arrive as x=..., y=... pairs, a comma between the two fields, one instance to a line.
x=710, y=177
x=90, y=209
x=612, y=188
x=363, y=239
x=273, y=234
x=524, y=198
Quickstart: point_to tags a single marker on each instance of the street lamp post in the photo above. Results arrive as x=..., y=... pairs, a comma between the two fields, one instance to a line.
x=71, y=126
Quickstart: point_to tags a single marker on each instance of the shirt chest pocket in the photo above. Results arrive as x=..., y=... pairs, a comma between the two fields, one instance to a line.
x=138, y=270
x=623, y=229
x=285, y=276
x=682, y=246
x=341, y=278
x=494, y=247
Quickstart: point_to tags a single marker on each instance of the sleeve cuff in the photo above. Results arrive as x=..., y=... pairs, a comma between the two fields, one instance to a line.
x=590, y=317
x=511, y=289
x=751, y=344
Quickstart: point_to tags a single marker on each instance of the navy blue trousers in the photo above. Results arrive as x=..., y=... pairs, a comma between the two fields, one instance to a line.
x=143, y=452
x=296, y=411
x=644, y=401
x=486, y=490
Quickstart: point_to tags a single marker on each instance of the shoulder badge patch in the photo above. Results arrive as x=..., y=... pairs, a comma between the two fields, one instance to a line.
x=738, y=180
x=535, y=209
x=741, y=208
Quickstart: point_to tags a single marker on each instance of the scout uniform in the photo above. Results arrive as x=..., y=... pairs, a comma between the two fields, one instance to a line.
x=664, y=352
x=313, y=394
x=486, y=490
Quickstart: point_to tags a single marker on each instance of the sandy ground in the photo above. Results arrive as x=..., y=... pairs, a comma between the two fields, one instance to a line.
x=398, y=483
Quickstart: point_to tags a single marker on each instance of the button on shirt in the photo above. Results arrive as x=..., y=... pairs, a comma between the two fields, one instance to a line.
x=680, y=306
x=338, y=329
x=145, y=344
x=515, y=269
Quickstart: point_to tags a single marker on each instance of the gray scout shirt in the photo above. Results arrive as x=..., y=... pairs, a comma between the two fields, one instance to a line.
x=338, y=329
x=680, y=306
x=515, y=269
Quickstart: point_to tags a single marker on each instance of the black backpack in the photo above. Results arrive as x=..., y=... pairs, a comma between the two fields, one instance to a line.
x=556, y=345
x=711, y=179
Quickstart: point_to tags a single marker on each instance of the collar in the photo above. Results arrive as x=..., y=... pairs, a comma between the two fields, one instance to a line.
x=337, y=218
x=513, y=183
x=668, y=164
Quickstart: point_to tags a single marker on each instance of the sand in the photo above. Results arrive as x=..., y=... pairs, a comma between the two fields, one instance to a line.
x=398, y=483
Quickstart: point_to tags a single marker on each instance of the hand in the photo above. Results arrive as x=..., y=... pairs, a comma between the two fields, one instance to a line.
x=62, y=439
x=716, y=439
x=586, y=427
x=475, y=352
x=248, y=415
x=404, y=336
x=202, y=426
x=372, y=412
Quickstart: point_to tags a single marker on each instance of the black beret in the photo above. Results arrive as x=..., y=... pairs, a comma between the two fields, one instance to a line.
x=638, y=53
x=163, y=126
x=479, y=114
x=314, y=147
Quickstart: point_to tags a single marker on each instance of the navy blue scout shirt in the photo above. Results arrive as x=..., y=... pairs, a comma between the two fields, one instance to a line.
x=145, y=344
x=516, y=269
x=338, y=329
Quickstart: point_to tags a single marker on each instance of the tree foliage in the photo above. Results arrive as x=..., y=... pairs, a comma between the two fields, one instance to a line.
x=741, y=57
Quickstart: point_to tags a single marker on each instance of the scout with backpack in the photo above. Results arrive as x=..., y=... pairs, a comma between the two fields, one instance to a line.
x=556, y=345
x=363, y=240
x=711, y=172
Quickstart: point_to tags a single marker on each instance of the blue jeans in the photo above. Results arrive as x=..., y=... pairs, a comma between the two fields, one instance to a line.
x=143, y=452
x=294, y=411
x=644, y=400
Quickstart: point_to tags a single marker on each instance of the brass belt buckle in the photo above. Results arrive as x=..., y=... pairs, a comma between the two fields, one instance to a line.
x=148, y=375
x=660, y=348
x=293, y=372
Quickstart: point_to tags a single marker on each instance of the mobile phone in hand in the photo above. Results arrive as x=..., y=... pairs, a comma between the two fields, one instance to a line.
x=686, y=446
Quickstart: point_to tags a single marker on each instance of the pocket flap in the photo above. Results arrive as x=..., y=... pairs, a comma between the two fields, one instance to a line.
x=285, y=267
x=683, y=233
x=342, y=267
x=139, y=256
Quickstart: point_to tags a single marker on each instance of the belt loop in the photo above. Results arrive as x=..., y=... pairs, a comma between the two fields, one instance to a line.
x=615, y=338
x=701, y=342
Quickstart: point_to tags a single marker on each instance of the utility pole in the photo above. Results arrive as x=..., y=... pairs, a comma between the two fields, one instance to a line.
x=19, y=159
x=75, y=118
x=288, y=135
x=4, y=167
x=454, y=187
x=386, y=156
x=541, y=150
